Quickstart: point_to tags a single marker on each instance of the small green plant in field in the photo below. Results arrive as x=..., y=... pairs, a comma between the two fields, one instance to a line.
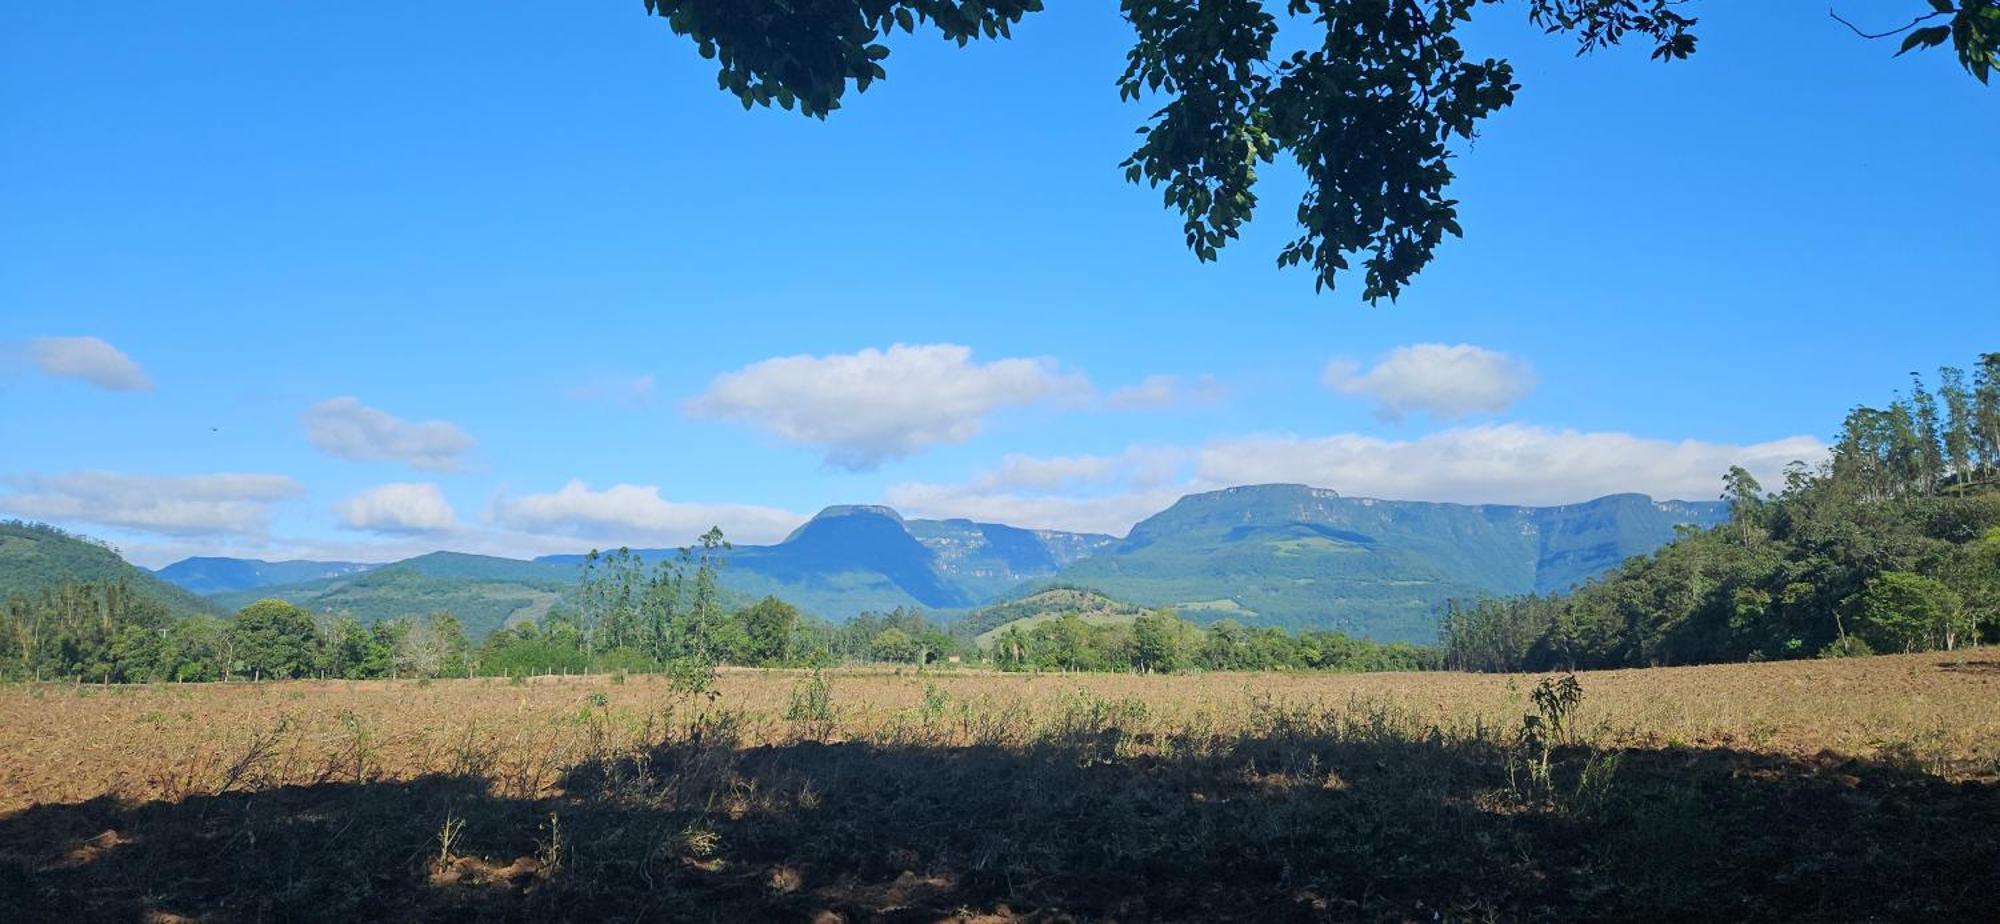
x=935, y=701
x=691, y=677
x=599, y=699
x=811, y=707
x=1557, y=700
x=1551, y=725
x=618, y=677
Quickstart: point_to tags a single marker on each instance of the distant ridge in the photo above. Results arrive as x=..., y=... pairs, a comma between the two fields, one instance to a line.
x=854, y=558
x=1295, y=555
x=1279, y=554
x=207, y=575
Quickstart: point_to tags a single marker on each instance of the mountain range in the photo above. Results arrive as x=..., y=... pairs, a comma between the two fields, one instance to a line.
x=205, y=575
x=1285, y=555
x=1298, y=556
x=852, y=559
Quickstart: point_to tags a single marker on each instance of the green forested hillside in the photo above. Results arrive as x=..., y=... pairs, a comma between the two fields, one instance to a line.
x=35, y=558
x=1296, y=556
x=484, y=592
x=1892, y=545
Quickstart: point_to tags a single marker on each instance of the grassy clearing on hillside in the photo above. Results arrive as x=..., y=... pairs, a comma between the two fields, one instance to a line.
x=1828, y=789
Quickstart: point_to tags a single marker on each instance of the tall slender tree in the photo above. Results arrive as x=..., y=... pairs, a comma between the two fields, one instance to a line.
x=1958, y=422
x=1986, y=414
x=1929, y=435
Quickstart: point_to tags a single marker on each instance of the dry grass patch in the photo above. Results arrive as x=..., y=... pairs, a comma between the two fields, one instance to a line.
x=1796, y=789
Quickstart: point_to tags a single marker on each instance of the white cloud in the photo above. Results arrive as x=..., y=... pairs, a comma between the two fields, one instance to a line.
x=91, y=360
x=1142, y=465
x=863, y=409
x=1106, y=513
x=1159, y=391
x=175, y=505
x=1445, y=382
x=347, y=428
x=635, y=389
x=1506, y=463
x=630, y=514
x=1098, y=494
x=1501, y=464
x=1049, y=473
x=398, y=508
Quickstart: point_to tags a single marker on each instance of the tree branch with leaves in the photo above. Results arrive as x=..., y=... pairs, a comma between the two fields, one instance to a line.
x=1373, y=111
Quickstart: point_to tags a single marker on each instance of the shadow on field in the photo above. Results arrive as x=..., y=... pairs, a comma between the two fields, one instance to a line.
x=1988, y=666
x=1287, y=827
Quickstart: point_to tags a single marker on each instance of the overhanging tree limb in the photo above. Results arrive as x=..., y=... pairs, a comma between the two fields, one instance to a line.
x=1373, y=112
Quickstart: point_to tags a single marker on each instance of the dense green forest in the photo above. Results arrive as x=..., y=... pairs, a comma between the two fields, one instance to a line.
x=103, y=631
x=1891, y=545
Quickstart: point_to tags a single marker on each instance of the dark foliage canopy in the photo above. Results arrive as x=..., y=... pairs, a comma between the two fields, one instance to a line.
x=1369, y=108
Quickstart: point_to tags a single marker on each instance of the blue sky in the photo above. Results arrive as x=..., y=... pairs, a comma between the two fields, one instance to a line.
x=392, y=277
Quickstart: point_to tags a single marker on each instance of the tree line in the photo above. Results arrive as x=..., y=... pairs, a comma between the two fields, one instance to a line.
x=624, y=615
x=1891, y=545
x=629, y=615
x=1163, y=642
x=103, y=631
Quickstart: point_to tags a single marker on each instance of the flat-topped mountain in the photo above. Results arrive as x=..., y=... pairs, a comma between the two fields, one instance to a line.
x=1295, y=555
x=854, y=558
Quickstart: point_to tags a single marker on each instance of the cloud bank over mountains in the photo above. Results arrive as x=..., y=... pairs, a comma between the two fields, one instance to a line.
x=871, y=408
x=1492, y=464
